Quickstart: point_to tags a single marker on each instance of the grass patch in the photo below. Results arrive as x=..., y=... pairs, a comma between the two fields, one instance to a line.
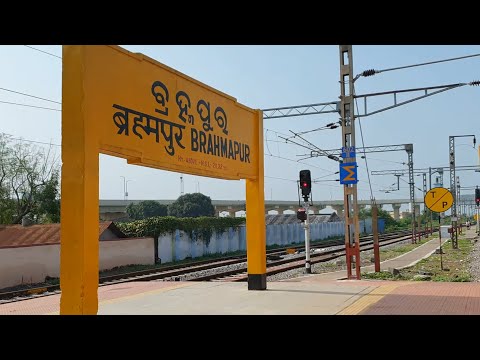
x=455, y=263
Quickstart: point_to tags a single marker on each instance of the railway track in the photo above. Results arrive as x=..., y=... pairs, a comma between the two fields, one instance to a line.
x=275, y=267
x=326, y=250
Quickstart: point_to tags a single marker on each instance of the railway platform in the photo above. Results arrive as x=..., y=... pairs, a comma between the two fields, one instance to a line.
x=316, y=294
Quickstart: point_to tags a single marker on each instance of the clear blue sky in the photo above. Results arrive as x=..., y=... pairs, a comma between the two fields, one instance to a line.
x=274, y=76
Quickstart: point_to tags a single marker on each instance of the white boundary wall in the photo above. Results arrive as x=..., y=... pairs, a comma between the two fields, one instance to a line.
x=31, y=264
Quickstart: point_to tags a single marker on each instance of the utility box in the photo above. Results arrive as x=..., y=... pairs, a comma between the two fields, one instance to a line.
x=446, y=230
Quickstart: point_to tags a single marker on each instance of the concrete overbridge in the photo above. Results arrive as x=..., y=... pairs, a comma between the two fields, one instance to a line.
x=116, y=209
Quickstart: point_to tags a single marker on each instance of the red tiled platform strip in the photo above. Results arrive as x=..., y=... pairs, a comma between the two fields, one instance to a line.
x=50, y=304
x=429, y=298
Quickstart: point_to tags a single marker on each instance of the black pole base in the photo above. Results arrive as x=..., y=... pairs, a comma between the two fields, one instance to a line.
x=257, y=281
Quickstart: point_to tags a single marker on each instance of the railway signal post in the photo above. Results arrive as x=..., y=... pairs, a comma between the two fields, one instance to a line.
x=306, y=187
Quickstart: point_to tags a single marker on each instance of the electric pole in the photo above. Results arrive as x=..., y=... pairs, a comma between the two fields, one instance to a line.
x=352, y=226
x=451, y=145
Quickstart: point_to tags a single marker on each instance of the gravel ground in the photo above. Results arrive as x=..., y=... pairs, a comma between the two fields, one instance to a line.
x=475, y=260
x=332, y=265
x=196, y=274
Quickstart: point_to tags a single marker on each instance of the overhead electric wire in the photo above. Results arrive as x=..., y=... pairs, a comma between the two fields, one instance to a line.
x=277, y=178
x=324, y=176
x=32, y=106
x=296, y=161
x=45, y=52
x=9, y=137
x=276, y=132
x=391, y=161
x=413, y=185
x=363, y=145
x=33, y=96
x=373, y=71
x=329, y=126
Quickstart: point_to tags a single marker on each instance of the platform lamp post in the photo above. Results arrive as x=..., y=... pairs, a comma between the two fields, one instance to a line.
x=123, y=186
x=126, y=189
x=451, y=142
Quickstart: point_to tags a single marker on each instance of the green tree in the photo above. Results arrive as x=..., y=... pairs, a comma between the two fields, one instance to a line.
x=6, y=203
x=382, y=214
x=145, y=209
x=192, y=205
x=47, y=201
x=28, y=175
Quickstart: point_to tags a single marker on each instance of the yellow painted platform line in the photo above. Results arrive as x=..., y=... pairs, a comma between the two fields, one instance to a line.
x=137, y=295
x=368, y=299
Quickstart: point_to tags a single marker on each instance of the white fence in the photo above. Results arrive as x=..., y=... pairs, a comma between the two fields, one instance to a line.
x=178, y=245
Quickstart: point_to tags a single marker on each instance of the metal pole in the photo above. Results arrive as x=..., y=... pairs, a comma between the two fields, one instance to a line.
x=124, y=186
x=376, y=247
x=425, y=208
x=126, y=189
x=306, y=225
x=478, y=207
x=409, y=150
x=451, y=143
x=352, y=248
x=430, y=188
x=478, y=221
x=440, y=238
x=459, y=204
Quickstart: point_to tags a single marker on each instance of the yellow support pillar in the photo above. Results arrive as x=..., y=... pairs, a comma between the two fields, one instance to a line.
x=79, y=230
x=256, y=242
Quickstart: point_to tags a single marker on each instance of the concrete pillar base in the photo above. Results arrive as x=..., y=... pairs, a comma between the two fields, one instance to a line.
x=257, y=281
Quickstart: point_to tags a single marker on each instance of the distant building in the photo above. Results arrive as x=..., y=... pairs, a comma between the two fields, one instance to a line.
x=12, y=236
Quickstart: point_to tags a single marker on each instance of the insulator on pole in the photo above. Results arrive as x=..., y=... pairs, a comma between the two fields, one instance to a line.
x=369, y=72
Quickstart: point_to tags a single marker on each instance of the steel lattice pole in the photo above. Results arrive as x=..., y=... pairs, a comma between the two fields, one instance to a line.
x=453, y=191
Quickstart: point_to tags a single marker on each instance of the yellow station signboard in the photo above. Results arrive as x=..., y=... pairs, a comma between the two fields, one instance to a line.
x=155, y=116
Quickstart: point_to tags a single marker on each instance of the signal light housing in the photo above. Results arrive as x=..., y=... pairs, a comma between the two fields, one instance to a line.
x=305, y=182
x=301, y=214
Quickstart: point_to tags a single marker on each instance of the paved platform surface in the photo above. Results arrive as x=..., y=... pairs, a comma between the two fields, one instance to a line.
x=317, y=294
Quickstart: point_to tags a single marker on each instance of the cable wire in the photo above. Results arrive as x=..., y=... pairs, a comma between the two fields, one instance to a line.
x=272, y=177
x=363, y=145
x=32, y=106
x=33, y=96
x=371, y=72
x=405, y=181
x=297, y=161
x=9, y=136
x=45, y=52
x=390, y=161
